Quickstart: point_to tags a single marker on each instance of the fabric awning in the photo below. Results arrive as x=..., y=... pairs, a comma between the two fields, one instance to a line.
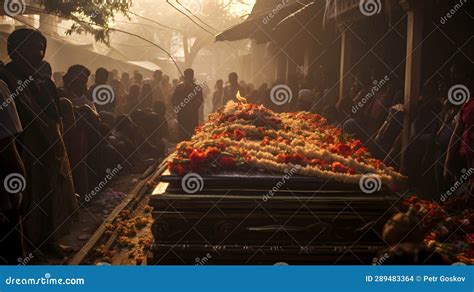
x=260, y=24
x=145, y=65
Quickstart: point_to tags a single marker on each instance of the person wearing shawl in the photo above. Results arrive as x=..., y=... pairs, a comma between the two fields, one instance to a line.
x=49, y=200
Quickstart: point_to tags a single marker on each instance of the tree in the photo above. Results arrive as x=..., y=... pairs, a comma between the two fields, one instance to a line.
x=89, y=16
x=209, y=16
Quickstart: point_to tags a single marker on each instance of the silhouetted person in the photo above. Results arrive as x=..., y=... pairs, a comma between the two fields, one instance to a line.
x=133, y=99
x=146, y=96
x=125, y=79
x=75, y=89
x=138, y=78
x=231, y=90
x=218, y=95
x=187, y=99
x=103, y=97
x=48, y=173
x=156, y=85
x=75, y=86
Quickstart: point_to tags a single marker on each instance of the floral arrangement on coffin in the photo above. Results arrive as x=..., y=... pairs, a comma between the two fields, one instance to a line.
x=451, y=235
x=241, y=137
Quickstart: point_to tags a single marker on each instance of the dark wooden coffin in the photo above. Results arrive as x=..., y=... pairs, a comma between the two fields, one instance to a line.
x=237, y=220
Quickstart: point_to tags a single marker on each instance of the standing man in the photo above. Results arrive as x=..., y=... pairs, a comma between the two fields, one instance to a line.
x=49, y=200
x=187, y=99
x=230, y=90
x=101, y=79
x=156, y=84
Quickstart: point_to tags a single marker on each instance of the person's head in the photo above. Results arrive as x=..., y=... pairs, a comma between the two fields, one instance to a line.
x=58, y=78
x=125, y=77
x=101, y=76
x=27, y=47
x=233, y=78
x=189, y=75
x=117, y=86
x=219, y=84
x=147, y=90
x=157, y=75
x=138, y=78
x=76, y=78
x=175, y=82
x=165, y=82
x=134, y=91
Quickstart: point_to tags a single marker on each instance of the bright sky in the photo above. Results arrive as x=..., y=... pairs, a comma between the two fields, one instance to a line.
x=243, y=8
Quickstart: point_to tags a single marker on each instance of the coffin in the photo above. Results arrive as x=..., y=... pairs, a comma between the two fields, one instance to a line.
x=246, y=219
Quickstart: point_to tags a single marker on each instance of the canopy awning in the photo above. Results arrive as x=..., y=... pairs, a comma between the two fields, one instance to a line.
x=260, y=24
x=145, y=65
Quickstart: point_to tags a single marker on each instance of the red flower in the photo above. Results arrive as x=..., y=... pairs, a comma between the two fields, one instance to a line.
x=470, y=238
x=339, y=167
x=344, y=150
x=238, y=134
x=227, y=162
x=177, y=168
x=212, y=152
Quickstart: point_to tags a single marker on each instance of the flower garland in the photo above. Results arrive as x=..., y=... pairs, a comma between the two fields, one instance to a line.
x=242, y=136
x=450, y=235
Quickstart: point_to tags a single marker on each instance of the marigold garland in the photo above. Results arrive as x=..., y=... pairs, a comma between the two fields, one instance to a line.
x=241, y=136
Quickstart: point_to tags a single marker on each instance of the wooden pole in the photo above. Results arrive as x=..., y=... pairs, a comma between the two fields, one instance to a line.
x=345, y=64
x=412, y=68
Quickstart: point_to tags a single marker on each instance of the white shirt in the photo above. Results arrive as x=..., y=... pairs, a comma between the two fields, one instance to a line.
x=9, y=121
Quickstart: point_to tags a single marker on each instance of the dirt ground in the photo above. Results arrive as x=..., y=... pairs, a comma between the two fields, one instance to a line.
x=91, y=216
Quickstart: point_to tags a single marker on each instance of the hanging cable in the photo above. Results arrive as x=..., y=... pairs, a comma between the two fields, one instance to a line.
x=195, y=16
x=117, y=30
x=151, y=20
x=190, y=18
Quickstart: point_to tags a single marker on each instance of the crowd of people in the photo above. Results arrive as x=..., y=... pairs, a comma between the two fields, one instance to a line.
x=62, y=132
